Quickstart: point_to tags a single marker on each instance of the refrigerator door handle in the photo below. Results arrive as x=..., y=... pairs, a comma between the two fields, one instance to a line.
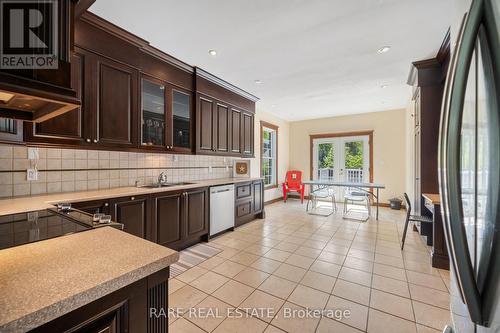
x=449, y=160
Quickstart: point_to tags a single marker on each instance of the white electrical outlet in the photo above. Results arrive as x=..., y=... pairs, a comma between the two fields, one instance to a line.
x=175, y=158
x=33, y=154
x=209, y=169
x=32, y=174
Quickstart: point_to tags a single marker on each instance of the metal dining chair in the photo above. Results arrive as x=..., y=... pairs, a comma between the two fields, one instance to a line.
x=353, y=195
x=322, y=192
x=414, y=218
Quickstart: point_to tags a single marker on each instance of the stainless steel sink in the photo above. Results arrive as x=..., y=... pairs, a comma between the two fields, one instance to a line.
x=166, y=185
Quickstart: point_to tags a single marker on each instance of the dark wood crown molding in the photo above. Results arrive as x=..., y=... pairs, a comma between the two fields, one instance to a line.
x=214, y=79
x=137, y=41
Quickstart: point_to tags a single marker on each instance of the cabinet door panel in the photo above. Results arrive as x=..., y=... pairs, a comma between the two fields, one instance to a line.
x=197, y=213
x=247, y=134
x=181, y=120
x=168, y=219
x=222, y=130
x=258, y=196
x=116, y=101
x=235, y=131
x=206, y=117
x=132, y=213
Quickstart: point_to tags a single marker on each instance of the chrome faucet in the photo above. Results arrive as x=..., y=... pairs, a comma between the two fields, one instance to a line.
x=162, y=178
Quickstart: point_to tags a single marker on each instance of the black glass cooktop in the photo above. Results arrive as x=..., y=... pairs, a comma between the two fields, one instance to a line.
x=19, y=229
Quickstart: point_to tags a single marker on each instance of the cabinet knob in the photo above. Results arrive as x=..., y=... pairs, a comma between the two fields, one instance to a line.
x=132, y=198
x=95, y=140
x=88, y=140
x=106, y=204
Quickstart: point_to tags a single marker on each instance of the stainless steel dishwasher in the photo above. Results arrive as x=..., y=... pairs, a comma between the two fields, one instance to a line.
x=221, y=208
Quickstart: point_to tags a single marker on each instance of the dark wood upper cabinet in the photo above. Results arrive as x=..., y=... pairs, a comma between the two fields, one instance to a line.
x=133, y=213
x=225, y=117
x=222, y=128
x=235, y=131
x=182, y=123
x=205, y=129
x=116, y=103
x=153, y=119
x=247, y=134
x=136, y=98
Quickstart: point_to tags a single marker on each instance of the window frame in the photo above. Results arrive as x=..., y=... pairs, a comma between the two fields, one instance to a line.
x=264, y=124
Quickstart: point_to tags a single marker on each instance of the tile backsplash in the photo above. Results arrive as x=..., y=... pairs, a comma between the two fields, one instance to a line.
x=67, y=170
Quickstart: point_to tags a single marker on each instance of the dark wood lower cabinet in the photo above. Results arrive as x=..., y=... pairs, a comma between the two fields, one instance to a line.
x=249, y=201
x=93, y=207
x=133, y=213
x=167, y=219
x=180, y=219
x=130, y=309
x=176, y=219
x=196, y=210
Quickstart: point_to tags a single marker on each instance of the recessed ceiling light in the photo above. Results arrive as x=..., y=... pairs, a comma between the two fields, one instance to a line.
x=213, y=53
x=258, y=82
x=383, y=86
x=384, y=49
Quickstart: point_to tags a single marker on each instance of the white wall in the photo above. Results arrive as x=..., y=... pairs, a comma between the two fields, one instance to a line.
x=283, y=150
x=389, y=145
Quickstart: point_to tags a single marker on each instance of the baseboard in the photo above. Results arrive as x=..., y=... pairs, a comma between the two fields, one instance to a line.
x=273, y=201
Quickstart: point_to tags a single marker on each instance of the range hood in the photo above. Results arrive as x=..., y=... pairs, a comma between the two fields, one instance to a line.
x=41, y=93
x=36, y=104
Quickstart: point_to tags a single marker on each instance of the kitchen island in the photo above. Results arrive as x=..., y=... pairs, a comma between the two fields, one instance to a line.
x=93, y=280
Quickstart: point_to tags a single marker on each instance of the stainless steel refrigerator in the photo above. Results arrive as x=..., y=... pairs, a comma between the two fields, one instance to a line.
x=469, y=163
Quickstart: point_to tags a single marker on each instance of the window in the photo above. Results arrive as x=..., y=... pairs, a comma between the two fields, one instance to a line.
x=269, y=153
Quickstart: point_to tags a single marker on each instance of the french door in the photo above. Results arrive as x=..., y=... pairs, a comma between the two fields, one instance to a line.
x=341, y=159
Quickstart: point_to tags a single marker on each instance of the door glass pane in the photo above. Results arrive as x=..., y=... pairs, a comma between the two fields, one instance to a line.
x=153, y=113
x=326, y=164
x=181, y=119
x=468, y=158
x=487, y=159
x=353, y=166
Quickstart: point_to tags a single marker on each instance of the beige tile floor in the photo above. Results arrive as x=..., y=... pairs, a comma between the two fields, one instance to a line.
x=292, y=260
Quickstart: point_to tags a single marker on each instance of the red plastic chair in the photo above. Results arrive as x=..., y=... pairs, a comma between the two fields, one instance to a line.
x=293, y=183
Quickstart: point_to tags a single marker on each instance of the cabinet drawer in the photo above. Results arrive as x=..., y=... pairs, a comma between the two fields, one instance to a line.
x=243, y=209
x=243, y=191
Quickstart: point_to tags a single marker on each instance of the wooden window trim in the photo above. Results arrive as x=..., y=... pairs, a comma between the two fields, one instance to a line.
x=336, y=135
x=275, y=128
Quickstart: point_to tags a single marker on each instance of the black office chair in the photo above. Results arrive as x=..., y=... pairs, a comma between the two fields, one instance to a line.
x=414, y=218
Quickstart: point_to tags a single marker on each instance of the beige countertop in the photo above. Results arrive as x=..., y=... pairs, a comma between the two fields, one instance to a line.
x=31, y=203
x=44, y=280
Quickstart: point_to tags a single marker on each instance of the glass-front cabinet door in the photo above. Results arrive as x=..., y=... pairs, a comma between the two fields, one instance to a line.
x=181, y=120
x=153, y=121
x=166, y=116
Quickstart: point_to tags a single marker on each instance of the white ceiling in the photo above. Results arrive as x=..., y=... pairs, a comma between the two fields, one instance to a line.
x=315, y=58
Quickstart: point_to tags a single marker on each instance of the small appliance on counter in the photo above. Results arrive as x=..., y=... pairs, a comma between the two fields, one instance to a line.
x=23, y=228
